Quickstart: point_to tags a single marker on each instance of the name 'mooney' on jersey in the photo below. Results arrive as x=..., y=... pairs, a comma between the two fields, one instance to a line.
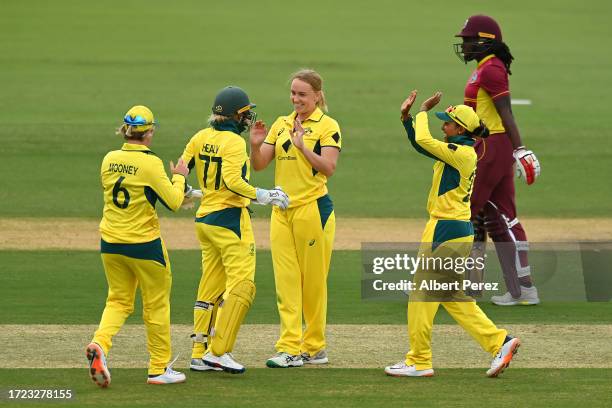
x=134, y=180
x=293, y=172
x=222, y=168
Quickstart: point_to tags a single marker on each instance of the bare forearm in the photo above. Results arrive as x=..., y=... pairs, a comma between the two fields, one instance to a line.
x=257, y=160
x=503, y=106
x=512, y=131
x=321, y=164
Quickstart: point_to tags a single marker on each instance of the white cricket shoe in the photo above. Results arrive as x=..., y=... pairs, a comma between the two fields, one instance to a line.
x=284, y=360
x=168, y=377
x=503, y=358
x=97, y=365
x=197, y=364
x=319, y=358
x=402, y=370
x=225, y=362
x=529, y=296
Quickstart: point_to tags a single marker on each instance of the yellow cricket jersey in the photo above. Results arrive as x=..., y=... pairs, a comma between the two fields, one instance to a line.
x=454, y=170
x=222, y=168
x=293, y=172
x=134, y=179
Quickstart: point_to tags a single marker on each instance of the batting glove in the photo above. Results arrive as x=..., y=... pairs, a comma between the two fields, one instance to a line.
x=276, y=197
x=527, y=164
x=191, y=196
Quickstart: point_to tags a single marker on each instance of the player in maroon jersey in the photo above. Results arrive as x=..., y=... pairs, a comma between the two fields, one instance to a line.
x=499, y=157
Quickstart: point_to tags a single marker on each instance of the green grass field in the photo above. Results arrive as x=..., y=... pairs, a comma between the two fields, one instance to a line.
x=70, y=71
x=331, y=387
x=79, y=292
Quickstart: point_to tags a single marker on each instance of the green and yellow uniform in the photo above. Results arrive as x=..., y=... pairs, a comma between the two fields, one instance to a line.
x=133, y=253
x=223, y=227
x=448, y=232
x=302, y=237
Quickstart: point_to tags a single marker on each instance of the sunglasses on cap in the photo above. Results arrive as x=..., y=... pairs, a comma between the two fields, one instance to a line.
x=137, y=120
x=451, y=112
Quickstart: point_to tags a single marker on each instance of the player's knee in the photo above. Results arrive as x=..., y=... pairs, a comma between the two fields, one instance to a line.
x=124, y=305
x=156, y=317
x=244, y=291
x=233, y=310
x=494, y=221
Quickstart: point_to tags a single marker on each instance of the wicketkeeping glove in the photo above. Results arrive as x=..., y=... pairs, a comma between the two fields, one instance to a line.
x=527, y=164
x=276, y=197
x=191, y=196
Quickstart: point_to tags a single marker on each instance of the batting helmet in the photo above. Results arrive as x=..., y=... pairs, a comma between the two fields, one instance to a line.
x=231, y=100
x=481, y=26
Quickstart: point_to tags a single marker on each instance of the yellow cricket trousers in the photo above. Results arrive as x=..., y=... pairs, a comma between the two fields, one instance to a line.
x=443, y=238
x=228, y=257
x=128, y=266
x=301, y=240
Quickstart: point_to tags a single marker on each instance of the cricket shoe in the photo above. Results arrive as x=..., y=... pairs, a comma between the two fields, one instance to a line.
x=224, y=362
x=167, y=377
x=197, y=364
x=529, y=296
x=97, y=365
x=319, y=358
x=402, y=370
x=503, y=358
x=284, y=360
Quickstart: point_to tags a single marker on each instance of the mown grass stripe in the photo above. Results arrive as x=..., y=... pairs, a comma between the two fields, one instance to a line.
x=349, y=346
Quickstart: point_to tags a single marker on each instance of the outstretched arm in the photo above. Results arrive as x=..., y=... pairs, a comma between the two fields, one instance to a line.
x=408, y=125
x=440, y=150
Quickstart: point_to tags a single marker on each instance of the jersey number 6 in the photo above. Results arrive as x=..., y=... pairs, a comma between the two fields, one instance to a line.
x=207, y=160
x=126, y=196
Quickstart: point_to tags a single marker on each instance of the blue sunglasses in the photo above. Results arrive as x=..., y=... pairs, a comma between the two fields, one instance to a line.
x=136, y=120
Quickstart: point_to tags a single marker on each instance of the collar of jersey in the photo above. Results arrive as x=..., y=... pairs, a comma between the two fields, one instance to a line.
x=228, y=125
x=485, y=59
x=135, y=147
x=315, y=116
x=461, y=140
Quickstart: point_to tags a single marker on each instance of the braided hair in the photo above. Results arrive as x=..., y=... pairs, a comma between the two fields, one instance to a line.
x=501, y=51
x=481, y=131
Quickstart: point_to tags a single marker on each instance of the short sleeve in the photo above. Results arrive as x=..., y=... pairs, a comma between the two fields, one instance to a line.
x=189, y=153
x=332, y=136
x=275, y=131
x=494, y=80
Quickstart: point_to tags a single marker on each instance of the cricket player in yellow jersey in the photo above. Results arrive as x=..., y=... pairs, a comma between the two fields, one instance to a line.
x=223, y=226
x=448, y=232
x=306, y=145
x=133, y=253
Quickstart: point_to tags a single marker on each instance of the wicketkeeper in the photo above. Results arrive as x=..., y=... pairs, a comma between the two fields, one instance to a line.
x=223, y=227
